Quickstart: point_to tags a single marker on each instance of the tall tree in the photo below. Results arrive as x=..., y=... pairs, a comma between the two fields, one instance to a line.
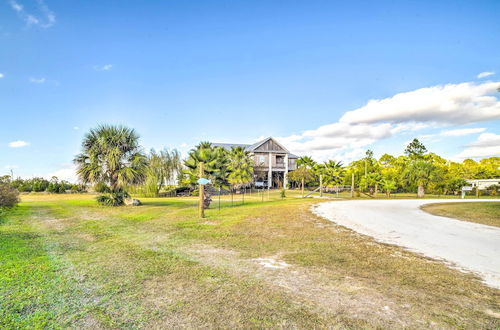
x=306, y=161
x=420, y=172
x=388, y=185
x=162, y=168
x=415, y=150
x=240, y=167
x=111, y=155
x=214, y=170
x=303, y=175
x=332, y=172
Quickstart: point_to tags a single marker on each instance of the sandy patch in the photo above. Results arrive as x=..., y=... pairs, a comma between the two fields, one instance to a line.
x=311, y=286
x=271, y=263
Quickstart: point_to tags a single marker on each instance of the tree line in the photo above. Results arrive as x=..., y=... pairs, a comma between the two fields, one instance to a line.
x=54, y=185
x=114, y=164
x=417, y=170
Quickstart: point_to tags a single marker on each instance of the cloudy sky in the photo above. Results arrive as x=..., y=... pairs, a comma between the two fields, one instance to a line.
x=329, y=79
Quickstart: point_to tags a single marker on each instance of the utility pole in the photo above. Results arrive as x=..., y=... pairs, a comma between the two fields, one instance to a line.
x=202, y=191
x=321, y=185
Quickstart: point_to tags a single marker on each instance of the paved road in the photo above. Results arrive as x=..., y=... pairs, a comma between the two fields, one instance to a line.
x=466, y=245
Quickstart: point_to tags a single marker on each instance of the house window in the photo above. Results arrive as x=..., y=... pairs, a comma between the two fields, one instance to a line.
x=262, y=160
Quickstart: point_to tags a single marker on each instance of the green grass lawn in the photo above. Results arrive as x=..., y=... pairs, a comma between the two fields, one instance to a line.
x=67, y=262
x=479, y=212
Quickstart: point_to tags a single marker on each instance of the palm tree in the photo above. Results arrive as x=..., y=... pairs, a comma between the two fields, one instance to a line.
x=306, y=161
x=419, y=173
x=111, y=155
x=304, y=171
x=208, y=155
x=221, y=179
x=332, y=172
x=241, y=168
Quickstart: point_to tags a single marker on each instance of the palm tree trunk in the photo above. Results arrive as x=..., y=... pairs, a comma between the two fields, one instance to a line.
x=420, y=191
x=302, y=187
x=376, y=190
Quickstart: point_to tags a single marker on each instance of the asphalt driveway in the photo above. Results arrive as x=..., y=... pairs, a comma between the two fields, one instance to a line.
x=465, y=245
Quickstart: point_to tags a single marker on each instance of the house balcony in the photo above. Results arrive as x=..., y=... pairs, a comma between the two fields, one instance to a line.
x=277, y=166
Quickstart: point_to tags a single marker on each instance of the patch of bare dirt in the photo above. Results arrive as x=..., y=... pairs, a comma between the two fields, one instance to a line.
x=312, y=286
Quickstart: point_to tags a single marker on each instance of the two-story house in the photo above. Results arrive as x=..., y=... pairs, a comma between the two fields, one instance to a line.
x=272, y=161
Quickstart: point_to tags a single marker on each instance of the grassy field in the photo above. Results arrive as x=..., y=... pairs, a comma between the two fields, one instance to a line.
x=484, y=213
x=67, y=262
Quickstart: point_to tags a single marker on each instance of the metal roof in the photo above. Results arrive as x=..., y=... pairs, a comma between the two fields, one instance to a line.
x=229, y=146
x=252, y=147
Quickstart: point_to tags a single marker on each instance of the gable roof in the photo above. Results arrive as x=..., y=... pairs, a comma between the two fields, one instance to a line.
x=258, y=144
x=253, y=147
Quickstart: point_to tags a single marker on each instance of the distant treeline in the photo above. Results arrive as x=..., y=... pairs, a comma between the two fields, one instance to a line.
x=416, y=171
x=54, y=185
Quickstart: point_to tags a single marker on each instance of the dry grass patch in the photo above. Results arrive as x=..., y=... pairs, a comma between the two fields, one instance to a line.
x=160, y=266
x=485, y=213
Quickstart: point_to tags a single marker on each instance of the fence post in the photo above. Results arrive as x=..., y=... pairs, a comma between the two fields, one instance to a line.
x=201, y=192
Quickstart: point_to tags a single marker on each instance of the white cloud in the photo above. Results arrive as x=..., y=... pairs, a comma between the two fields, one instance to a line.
x=449, y=133
x=45, y=17
x=17, y=7
x=462, y=131
x=486, y=145
x=2, y=75
x=11, y=167
x=105, y=67
x=67, y=172
x=401, y=114
x=76, y=128
x=449, y=104
x=339, y=141
x=486, y=140
x=354, y=131
x=18, y=144
x=485, y=74
x=37, y=80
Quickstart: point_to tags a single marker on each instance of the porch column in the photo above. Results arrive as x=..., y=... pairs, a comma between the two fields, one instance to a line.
x=270, y=171
x=285, y=176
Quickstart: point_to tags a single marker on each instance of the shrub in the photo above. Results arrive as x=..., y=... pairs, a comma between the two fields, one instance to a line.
x=112, y=199
x=77, y=188
x=9, y=196
x=101, y=187
x=494, y=189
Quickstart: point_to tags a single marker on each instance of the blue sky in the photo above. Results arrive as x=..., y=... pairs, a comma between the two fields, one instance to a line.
x=307, y=72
